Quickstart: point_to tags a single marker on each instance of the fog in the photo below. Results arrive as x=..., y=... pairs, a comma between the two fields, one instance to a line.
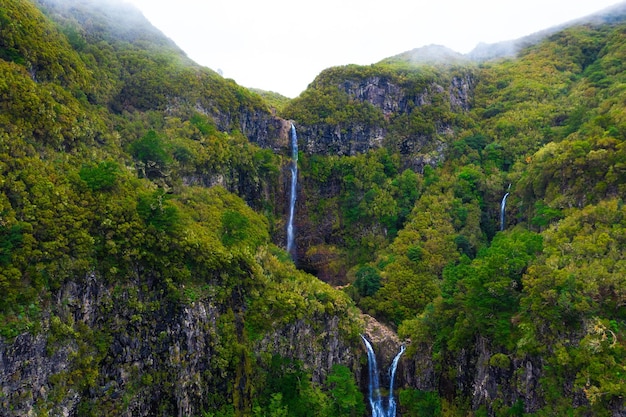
x=281, y=45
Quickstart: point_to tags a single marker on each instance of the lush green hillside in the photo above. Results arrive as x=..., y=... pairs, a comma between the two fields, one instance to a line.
x=424, y=251
x=120, y=165
x=66, y=153
x=140, y=195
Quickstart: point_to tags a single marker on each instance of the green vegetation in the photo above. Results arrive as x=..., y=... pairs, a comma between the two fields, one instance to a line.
x=119, y=164
x=274, y=100
x=421, y=247
x=127, y=171
x=420, y=403
x=290, y=393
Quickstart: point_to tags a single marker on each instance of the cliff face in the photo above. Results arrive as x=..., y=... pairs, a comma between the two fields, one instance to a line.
x=128, y=350
x=101, y=346
x=349, y=112
x=386, y=346
x=341, y=140
x=380, y=92
x=393, y=98
x=256, y=124
x=319, y=347
x=480, y=374
x=393, y=101
x=489, y=379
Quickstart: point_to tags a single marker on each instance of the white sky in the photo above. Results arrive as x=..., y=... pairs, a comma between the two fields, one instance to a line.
x=281, y=45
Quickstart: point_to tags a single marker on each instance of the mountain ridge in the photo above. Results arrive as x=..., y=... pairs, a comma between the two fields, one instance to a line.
x=439, y=54
x=142, y=227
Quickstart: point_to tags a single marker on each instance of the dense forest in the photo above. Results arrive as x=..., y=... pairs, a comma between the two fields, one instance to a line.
x=414, y=224
x=143, y=197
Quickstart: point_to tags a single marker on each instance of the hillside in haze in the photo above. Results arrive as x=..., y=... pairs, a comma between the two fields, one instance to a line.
x=473, y=212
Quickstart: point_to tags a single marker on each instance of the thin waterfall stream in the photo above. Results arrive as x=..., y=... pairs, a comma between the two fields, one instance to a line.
x=375, y=397
x=503, y=209
x=293, y=193
x=391, y=408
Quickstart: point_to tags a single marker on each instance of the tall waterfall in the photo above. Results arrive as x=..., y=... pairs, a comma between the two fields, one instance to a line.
x=294, y=185
x=503, y=208
x=375, y=398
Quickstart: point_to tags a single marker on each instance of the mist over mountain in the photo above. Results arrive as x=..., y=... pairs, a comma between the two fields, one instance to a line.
x=433, y=54
x=469, y=212
x=510, y=48
x=110, y=19
x=430, y=54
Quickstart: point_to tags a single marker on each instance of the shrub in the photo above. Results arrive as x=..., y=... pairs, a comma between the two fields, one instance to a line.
x=101, y=177
x=367, y=281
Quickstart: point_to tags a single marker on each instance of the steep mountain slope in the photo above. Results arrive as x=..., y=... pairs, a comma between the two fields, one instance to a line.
x=126, y=288
x=402, y=195
x=151, y=73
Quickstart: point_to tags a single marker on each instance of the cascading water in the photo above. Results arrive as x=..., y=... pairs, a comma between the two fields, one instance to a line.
x=376, y=400
x=374, y=385
x=503, y=208
x=294, y=186
x=391, y=408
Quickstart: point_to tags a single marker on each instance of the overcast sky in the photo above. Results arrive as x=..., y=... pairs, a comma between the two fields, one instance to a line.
x=281, y=45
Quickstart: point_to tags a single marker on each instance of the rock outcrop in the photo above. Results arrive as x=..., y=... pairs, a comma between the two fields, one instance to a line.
x=259, y=126
x=129, y=349
x=486, y=376
x=340, y=140
x=386, y=346
x=393, y=101
x=319, y=348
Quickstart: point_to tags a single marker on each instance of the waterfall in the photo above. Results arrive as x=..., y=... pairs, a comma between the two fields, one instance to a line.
x=391, y=409
x=294, y=184
x=373, y=385
x=503, y=208
x=376, y=401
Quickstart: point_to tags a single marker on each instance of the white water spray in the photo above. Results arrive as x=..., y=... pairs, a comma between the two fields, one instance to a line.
x=294, y=186
x=375, y=398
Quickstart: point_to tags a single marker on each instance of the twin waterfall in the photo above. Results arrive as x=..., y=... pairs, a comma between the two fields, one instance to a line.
x=294, y=185
x=375, y=398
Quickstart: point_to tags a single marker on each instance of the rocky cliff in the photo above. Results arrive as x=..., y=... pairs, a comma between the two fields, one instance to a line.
x=393, y=104
x=127, y=350
x=491, y=380
x=349, y=113
x=386, y=346
x=259, y=125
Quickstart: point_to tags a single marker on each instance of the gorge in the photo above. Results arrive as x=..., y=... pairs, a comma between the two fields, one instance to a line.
x=167, y=248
